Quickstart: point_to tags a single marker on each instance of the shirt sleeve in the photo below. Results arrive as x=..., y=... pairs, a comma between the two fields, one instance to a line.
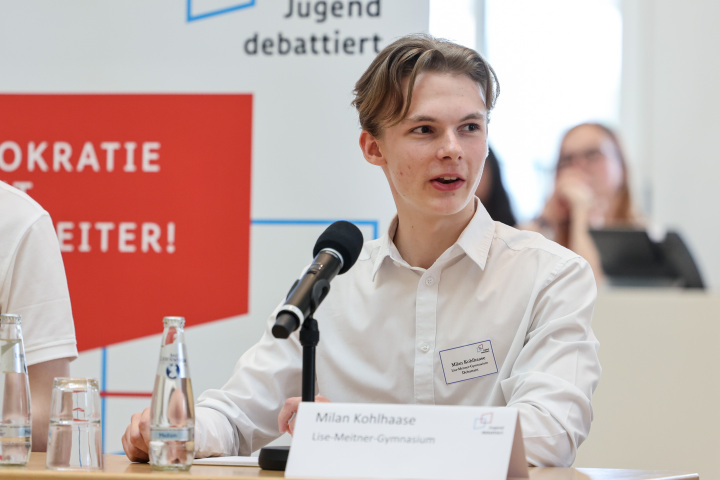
x=39, y=292
x=241, y=417
x=553, y=378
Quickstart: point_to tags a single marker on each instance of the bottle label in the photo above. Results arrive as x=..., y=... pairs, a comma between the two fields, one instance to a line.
x=13, y=431
x=170, y=434
x=12, y=358
x=172, y=363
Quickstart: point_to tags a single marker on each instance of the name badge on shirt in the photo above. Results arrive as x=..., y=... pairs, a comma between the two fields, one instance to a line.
x=468, y=362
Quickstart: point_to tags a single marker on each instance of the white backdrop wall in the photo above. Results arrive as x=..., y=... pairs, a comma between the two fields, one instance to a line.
x=669, y=118
x=307, y=169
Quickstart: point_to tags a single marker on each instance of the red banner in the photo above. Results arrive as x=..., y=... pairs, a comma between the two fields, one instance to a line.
x=150, y=195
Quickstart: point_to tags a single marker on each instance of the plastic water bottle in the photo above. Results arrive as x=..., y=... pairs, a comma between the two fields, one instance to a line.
x=16, y=419
x=172, y=425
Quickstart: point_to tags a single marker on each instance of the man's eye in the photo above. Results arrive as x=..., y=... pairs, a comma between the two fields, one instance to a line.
x=471, y=127
x=421, y=129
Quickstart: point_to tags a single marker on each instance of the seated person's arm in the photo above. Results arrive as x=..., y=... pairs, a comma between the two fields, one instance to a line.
x=558, y=368
x=41, y=377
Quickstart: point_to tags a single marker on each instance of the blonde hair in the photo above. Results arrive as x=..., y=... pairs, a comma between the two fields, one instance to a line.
x=379, y=96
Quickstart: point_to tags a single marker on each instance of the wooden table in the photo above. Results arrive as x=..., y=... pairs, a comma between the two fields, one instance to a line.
x=119, y=467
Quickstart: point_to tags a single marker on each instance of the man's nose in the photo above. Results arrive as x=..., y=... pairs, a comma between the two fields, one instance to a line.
x=450, y=147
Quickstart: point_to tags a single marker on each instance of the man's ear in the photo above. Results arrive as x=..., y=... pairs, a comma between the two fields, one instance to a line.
x=371, y=149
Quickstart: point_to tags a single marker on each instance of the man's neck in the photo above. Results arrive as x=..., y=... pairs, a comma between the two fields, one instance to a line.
x=421, y=241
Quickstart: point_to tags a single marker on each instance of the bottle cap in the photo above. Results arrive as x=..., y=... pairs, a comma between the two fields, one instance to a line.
x=10, y=319
x=174, y=321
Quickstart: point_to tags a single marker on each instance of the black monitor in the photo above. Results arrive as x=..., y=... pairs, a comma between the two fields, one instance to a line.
x=631, y=258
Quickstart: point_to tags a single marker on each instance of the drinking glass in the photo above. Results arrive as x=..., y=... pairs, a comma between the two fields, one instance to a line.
x=75, y=433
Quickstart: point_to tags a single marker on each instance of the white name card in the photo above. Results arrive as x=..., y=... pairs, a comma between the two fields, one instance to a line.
x=426, y=442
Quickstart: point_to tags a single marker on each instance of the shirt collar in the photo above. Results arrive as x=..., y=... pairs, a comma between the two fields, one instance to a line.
x=477, y=237
x=474, y=241
x=387, y=247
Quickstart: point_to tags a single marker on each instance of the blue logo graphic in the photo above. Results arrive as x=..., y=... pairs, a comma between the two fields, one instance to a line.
x=172, y=371
x=232, y=6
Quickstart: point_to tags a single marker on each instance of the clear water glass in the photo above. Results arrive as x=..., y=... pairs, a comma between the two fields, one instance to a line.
x=75, y=432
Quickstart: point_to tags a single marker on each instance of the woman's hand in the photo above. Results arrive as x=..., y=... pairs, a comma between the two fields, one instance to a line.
x=573, y=186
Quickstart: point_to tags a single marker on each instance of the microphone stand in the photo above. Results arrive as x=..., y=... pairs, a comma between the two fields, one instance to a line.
x=275, y=458
x=309, y=339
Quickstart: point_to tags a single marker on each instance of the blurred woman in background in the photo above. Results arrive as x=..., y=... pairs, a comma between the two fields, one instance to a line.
x=591, y=192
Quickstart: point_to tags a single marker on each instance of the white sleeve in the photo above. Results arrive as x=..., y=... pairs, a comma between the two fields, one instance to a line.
x=241, y=417
x=214, y=435
x=39, y=292
x=554, y=376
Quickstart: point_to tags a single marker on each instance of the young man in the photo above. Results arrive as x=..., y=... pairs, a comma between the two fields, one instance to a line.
x=444, y=276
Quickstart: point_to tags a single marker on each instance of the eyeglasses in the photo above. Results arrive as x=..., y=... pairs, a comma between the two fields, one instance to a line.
x=590, y=156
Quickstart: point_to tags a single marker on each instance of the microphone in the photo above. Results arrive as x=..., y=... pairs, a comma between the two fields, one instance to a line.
x=336, y=250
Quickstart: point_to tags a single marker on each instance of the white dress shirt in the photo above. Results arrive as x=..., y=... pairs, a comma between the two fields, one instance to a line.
x=384, y=325
x=32, y=278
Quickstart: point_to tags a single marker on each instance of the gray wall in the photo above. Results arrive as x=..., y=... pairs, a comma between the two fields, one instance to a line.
x=670, y=121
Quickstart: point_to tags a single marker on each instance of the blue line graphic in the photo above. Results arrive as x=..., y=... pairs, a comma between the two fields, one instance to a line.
x=263, y=221
x=103, y=388
x=80, y=450
x=213, y=13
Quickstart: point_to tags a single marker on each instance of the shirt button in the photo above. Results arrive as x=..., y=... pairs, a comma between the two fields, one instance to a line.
x=424, y=347
x=429, y=281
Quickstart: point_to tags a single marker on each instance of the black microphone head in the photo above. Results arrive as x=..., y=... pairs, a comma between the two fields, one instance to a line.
x=343, y=237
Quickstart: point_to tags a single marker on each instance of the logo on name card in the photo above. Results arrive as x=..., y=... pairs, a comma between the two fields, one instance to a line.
x=483, y=421
x=482, y=348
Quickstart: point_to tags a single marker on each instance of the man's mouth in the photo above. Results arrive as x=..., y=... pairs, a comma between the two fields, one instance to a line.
x=447, y=180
